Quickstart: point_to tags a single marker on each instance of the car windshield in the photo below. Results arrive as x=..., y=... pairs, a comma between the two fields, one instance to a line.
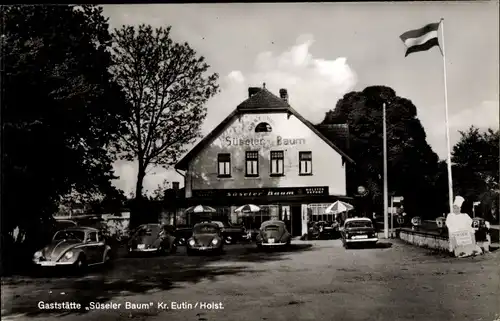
x=356, y=224
x=69, y=235
x=205, y=229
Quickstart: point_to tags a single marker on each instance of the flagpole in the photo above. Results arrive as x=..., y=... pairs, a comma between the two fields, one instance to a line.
x=450, y=180
x=386, y=201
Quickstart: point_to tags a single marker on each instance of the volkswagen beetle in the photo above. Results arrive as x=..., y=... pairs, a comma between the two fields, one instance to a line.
x=207, y=237
x=273, y=233
x=76, y=246
x=153, y=238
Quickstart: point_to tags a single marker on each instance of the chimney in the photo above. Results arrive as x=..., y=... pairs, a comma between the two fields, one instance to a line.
x=175, y=185
x=252, y=91
x=284, y=94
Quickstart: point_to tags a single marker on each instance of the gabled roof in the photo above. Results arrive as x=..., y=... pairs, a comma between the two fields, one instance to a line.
x=264, y=99
x=261, y=102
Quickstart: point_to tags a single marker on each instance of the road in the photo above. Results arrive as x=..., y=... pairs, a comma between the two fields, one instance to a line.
x=315, y=280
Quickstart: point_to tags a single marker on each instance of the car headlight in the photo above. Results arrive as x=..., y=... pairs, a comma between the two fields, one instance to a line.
x=68, y=255
x=215, y=241
x=191, y=242
x=38, y=254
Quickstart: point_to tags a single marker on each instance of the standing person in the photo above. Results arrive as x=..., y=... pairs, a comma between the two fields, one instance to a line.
x=482, y=233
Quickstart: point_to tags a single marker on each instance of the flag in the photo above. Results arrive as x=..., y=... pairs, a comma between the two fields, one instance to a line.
x=421, y=39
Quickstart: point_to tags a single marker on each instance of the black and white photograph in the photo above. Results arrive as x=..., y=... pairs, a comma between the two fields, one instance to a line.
x=250, y=161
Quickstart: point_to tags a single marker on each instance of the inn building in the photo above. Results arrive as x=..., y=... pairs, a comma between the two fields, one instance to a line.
x=265, y=153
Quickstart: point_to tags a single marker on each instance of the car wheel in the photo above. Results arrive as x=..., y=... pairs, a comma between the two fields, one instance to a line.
x=189, y=252
x=259, y=247
x=228, y=240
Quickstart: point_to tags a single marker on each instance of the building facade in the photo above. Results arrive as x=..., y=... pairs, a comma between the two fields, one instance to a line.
x=265, y=153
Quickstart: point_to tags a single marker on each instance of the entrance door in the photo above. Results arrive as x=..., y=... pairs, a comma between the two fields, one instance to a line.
x=296, y=220
x=286, y=217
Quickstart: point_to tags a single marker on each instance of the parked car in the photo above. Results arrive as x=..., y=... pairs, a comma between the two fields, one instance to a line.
x=251, y=235
x=78, y=247
x=182, y=234
x=359, y=230
x=323, y=230
x=155, y=238
x=273, y=233
x=231, y=233
x=207, y=237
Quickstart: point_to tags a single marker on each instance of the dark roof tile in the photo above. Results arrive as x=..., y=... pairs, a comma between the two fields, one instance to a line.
x=263, y=99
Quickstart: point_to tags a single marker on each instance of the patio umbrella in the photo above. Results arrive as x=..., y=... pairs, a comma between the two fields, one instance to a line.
x=201, y=209
x=338, y=207
x=249, y=208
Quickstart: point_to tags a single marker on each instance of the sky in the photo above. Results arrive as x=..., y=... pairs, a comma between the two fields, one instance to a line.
x=320, y=51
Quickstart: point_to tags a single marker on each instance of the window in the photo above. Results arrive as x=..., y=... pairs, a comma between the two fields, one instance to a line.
x=224, y=165
x=69, y=235
x=263, y=128
x=356, y=224
x=305, y=163
x=277, y=163
x=92, y=237
x=252, y=164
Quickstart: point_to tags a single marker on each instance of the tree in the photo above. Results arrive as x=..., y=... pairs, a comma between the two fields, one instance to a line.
x=476, y=167
x=167, y=86
x=478, y=152
x=159, y=193
x=61, y=108
x=412, y=165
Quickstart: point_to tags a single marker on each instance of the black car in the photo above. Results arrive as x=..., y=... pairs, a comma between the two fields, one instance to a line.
x=323, y=230
x=273, y=234
x=207, y=237
x=358, y=231
x=231, y=233
x=152, y=238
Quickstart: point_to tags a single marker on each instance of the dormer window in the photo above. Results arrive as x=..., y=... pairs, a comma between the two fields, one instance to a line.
x=263, y=128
